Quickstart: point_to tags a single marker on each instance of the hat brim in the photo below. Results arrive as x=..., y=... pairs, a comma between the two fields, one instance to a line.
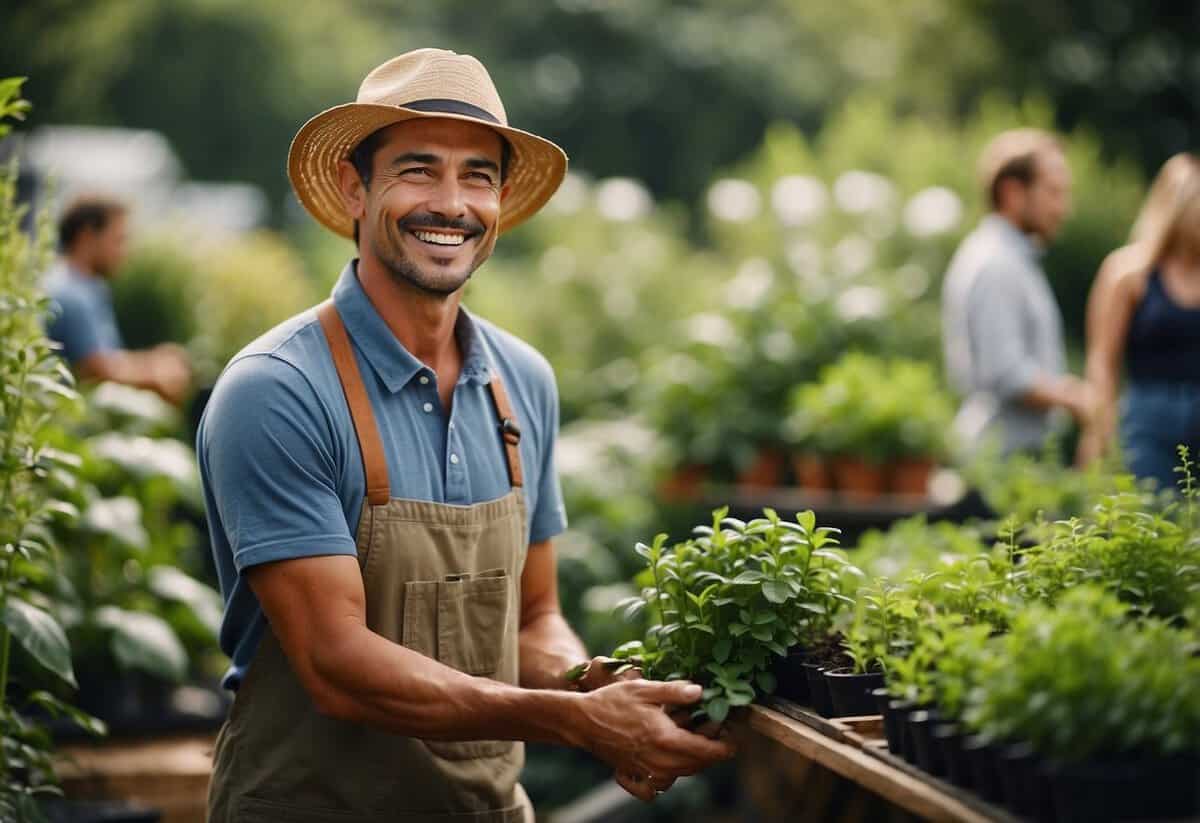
x=536, y=166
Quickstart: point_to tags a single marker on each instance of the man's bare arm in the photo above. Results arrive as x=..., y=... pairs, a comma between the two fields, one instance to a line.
x=316, y=607
x=549, y=647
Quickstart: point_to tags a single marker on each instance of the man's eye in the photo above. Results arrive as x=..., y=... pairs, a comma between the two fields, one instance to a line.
x=418, y=170
x=479, y=175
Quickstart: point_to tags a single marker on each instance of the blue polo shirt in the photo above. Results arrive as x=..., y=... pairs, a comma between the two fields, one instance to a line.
x=83, y=320
x=280, y=462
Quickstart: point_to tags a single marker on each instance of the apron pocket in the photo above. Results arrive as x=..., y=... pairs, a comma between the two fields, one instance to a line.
x=472, y=621
x=419, y=632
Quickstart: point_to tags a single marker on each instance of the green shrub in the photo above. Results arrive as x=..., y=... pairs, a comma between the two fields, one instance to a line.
x=35, y=387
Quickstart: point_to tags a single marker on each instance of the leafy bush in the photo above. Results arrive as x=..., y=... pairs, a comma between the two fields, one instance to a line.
x=727, y=601
x=872, y=408
x=34, y=388
x=215, y=300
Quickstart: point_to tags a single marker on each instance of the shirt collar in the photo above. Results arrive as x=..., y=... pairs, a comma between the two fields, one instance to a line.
x=1024, y=243
x=394, y=364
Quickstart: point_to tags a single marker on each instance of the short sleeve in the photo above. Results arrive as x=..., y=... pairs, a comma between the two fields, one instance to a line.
x=1005, y=365
x=73, y=326
x=550, y=515
x=269, y=464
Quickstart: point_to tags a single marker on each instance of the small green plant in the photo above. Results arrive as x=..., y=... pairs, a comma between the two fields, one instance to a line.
x=726, y=602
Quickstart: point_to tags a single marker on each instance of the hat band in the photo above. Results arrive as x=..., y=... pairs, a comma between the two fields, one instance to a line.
x=444, y=106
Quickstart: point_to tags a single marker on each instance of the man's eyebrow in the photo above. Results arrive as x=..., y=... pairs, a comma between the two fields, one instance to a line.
x=415, y=157
x=482, y=163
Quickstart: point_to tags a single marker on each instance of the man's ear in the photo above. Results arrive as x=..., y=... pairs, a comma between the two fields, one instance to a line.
x=352, y=189
x=504, y=192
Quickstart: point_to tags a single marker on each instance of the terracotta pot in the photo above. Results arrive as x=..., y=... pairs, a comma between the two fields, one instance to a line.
x=858, y=479
x=911, y=476
x=764, y=472
x=812, y=472
x=684, y=483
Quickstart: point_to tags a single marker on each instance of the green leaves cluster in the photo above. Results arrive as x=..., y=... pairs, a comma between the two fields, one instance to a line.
x=726, y=602
x=874, y=408
x=1084, y=677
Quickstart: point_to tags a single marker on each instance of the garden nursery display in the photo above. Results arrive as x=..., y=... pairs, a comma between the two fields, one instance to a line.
x=1054, y=668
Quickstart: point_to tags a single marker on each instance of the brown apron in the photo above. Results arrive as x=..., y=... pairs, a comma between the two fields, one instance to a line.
x=442, y=580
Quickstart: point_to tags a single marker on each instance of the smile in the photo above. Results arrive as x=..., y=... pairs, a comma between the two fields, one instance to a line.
x=439, y=239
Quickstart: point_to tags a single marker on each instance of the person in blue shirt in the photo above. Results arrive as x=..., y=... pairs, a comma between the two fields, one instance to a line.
x=93, y=236
x=381, y=492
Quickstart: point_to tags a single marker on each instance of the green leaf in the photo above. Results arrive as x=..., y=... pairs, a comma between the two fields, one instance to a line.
x=41, y=636
x=766, y=682
x=776, y=591
x=722, y=648
x=717, y=709
x=808, y=520
x=738, y=629
x=170, y=583
x=144, y=641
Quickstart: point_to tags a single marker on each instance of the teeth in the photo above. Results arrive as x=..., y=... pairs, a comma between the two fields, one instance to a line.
x=440, y=239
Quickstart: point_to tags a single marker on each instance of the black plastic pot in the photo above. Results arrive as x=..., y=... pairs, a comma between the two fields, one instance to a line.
x=791, y=682
x=893, y=724
x=891, y=731
x=929, y=756
x=1017, y=763
x=948, y=739
x=818, y=690
x=985, y=772
x=851, y=693
x=1125, y=789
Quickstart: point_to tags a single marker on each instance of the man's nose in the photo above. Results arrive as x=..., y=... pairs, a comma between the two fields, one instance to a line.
x=447, y=199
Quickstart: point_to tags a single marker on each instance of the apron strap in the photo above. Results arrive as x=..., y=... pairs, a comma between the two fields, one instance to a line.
x=509, y=430
x=379, y=489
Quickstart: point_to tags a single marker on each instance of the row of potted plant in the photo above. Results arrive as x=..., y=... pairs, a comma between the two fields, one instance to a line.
x=1010, y=652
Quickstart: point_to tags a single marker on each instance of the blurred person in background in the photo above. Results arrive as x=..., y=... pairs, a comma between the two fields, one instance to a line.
x=382, y=495
x=1001, y=327
x=1144, y=309
x=93, y=235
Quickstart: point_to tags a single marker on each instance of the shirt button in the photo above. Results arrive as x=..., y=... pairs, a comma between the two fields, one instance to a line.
x=454, y=459
x=428, y=407
x=424, y=380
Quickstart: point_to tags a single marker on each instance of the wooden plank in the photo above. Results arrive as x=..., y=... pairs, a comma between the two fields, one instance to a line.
x=169, y=773
x=870, y=772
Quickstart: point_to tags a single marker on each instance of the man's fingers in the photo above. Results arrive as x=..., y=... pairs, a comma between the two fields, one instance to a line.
x=672, y=693
x=640, y=789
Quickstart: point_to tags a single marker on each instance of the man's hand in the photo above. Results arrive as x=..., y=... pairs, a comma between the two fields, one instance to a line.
x=625, y=725
x=599, y=672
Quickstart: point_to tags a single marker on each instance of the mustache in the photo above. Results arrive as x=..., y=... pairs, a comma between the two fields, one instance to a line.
x=432, y=221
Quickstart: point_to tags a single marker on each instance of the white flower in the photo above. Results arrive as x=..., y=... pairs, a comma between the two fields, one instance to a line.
x=710, y=328
x=735, y=201
x=860, y=192
x=861, y=303
x=751, y=284
x=932, y=211
x=623, y=200
x=798, y=199
x=853, y=254
x=571, y=196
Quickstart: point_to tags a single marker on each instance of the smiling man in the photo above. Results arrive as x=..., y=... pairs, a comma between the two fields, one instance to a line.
x=380, y=485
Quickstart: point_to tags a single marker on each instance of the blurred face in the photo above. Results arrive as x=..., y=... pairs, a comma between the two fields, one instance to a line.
x=430, y=212
x=107, y=247
x=1046, y=201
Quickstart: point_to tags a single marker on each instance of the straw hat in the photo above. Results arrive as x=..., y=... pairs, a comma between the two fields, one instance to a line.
x=421, y=83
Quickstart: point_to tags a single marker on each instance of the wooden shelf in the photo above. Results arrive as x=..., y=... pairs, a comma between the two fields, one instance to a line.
x=854, y=749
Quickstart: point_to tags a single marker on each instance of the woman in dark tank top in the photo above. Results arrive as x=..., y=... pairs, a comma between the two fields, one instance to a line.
x=1144, y=311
